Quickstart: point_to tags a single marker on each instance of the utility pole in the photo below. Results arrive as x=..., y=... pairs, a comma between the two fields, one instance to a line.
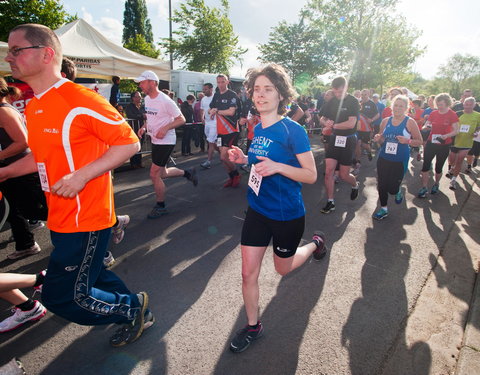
x=170, y=26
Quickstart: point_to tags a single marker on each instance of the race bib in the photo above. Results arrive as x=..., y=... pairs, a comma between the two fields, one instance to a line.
x=42, y=173
x=391, y=148
x=254, y=180
x=340, y=141
x=219, y=142
x=464, y=128
x=434, y=138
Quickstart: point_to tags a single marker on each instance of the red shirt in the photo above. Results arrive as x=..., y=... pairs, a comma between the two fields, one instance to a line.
x=442, y=124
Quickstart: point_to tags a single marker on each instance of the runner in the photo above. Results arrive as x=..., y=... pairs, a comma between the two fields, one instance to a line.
x=163, y=116
x=397, y=133
x=443, y=124
x=368, y=114
x=210, y=125
x=342, y=113
x=469, y=121
x=281, y=161
x=224, y=107
x=76, y=138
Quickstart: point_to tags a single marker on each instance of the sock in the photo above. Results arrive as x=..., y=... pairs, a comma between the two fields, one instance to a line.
x=235, y=173
x=40, y=278
x=27, y=306
x=469, y=166
x=254, y=326
x=454, y=178
x=449, y=167
x=186, y=174
x=385, y=208
x=116, y=222
x=331, y=200
x=161, y=204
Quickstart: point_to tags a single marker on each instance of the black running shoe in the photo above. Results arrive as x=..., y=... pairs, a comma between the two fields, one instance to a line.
x=130, y=332
x=319, y=240
x=329, y=207
x=193, y=176
x=244, y=337
x=354, y=193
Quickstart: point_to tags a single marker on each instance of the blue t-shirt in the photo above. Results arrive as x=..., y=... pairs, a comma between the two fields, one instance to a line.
x=390, y=133
x=427, y=111
x=279, y=198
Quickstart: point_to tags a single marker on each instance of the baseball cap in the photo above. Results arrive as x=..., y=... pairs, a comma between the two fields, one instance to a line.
x=147, y=75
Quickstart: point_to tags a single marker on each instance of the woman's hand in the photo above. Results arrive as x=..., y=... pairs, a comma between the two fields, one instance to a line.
x=267, y=167
x=236, y=155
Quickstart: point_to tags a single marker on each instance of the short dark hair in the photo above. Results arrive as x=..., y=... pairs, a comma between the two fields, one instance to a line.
x=339, y=82
x=417, y=102
x=69, y=69
x=280, y=79
x=209, y=85
x=190, y=97
x=133, y=94
x=41, y=35
x=115, y=78
x=223, y=76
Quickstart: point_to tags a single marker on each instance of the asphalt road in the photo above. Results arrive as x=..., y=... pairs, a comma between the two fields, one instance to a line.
x=341, y=316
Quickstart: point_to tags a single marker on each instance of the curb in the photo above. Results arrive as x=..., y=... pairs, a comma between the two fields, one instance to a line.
x=469, y=357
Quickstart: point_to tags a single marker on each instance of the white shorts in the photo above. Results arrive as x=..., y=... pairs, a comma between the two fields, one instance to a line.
x=211, y=133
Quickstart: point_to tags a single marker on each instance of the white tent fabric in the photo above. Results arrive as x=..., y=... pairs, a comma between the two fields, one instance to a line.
x=97, y=57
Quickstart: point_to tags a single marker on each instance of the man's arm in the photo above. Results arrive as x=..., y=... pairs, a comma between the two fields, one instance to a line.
x=71, y=184
x=177, y=121
x=349, y=124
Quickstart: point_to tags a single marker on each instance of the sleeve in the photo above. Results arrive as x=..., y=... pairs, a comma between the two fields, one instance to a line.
x=105, y=123
x=299, y=139
x=234, y=101
x=353, y=108
x=453, y=117
x=171, y=108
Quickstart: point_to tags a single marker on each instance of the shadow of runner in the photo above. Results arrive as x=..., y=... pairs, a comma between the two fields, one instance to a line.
x=285, y=320
x=376, y=318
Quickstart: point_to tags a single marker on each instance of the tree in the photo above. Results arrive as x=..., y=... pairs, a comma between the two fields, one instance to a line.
x=140, y=45
x=46, y=12
x=304, y=51
x=137, y=29
x=369, y=50
x=458, y=70
x=205, y=40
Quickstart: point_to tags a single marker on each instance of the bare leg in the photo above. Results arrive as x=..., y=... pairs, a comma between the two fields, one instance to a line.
x=251, y=264
x=285, y=265
x=14, y=296
x=346, y=176
x=330, y=165
x=157, y=174
x=9, y=281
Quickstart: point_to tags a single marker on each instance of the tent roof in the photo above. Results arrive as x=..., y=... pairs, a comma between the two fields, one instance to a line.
x=97, y=57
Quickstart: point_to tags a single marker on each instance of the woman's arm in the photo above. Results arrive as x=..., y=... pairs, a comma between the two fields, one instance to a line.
x=10, y=121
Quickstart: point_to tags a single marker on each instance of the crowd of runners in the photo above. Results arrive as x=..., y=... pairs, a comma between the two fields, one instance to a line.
x=75, y=139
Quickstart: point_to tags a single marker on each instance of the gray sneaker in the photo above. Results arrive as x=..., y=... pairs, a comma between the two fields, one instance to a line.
x=118, y=231
x=108, y=259
x=206, y=164
x=130, y=332
x=26, y=252
x=157, y=212
x=193, y=176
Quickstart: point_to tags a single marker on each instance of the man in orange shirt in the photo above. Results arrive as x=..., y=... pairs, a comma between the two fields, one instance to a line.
x=76, y=138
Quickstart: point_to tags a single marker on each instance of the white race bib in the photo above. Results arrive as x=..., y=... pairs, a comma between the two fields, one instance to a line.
x=219, y=142
x=434, y=138
x=42, y=173
x=254, y=180
x=340, y=141
x=391, y=148
x=464, y=128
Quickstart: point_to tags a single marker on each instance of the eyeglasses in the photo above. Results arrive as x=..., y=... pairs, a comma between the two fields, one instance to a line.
x=16, y=51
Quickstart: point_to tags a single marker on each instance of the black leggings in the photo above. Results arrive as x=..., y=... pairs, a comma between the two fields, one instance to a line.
x=389, y=177
x=437, y=151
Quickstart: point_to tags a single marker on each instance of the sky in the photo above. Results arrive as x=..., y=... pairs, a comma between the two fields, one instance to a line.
x=447, y=26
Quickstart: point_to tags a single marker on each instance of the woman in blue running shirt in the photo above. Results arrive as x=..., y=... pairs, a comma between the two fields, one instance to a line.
x=397, y=133
x=281, y=161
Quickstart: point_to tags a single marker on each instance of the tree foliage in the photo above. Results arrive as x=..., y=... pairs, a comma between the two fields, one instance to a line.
x=375, y=42
x=140, y=45
x=204, y=40
x=303, y=50
x=459, y=72
x=137, y=29
x=46, y=12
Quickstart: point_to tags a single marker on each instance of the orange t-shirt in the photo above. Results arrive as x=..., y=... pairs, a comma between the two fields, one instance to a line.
x=70, y=126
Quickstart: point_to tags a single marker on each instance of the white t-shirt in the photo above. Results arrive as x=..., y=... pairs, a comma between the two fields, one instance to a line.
x=161, y=111
x=205, y=105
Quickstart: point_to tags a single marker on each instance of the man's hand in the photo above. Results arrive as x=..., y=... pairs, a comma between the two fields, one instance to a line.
x=141, y=132
x=161, y=132
x=69, y=185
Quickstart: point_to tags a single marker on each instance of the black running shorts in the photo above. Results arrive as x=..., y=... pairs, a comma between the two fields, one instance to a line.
x=258, y=230
x=161, y=153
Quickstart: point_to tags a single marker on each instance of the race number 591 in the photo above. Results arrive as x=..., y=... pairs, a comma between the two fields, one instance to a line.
x=254, y=180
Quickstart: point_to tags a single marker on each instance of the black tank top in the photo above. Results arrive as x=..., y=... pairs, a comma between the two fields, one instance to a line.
x=6, y=141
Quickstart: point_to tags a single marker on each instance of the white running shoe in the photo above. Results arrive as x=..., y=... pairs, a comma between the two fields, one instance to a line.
x=118, y=231
x=20, y=317
x=108, y=260
x=206, y=164
x=23, y=253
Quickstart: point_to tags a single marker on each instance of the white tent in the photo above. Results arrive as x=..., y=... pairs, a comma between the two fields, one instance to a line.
x=97, y=57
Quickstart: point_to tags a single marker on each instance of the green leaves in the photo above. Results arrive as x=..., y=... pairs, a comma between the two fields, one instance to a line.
x=137, y=29
x=204, y=39
x=46, y=12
